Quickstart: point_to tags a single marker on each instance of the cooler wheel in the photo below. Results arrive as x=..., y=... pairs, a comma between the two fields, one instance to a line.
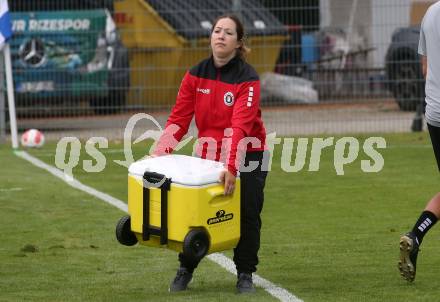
x=123, y=232
x=196, y=244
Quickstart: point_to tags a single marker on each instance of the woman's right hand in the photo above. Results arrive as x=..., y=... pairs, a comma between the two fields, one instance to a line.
x=228, y=180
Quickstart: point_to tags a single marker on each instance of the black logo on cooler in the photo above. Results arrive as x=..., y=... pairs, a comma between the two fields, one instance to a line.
x=221, y=216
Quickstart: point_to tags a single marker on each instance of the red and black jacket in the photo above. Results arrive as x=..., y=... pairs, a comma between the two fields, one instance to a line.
x=219, y=98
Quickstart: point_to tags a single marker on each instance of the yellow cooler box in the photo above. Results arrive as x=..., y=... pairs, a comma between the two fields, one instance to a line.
x=176, y=201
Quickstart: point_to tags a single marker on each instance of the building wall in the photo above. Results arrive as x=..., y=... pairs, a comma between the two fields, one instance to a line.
x=374, y=21
x=388, y=15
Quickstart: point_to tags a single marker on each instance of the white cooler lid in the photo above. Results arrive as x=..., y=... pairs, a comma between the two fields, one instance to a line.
x=182, y=169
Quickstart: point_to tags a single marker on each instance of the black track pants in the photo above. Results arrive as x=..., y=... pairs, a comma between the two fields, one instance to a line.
x=252, y=199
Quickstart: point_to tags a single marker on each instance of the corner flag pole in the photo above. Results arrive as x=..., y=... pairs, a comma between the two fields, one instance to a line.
x=5, y=34
x=11, y=100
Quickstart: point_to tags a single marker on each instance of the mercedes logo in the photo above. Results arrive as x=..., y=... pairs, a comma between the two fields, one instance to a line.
x=32, y=52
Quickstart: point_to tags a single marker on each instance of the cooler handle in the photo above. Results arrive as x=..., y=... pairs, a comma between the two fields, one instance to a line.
x=216, y=191
x=156, y=180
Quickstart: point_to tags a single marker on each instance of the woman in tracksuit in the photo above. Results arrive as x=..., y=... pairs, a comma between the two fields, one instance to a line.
x=223, y=93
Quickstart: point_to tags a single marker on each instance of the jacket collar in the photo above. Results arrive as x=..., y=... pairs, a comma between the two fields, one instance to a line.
x=228, y=65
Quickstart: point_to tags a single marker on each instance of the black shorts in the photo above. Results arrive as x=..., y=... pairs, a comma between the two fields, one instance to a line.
x=434, y=132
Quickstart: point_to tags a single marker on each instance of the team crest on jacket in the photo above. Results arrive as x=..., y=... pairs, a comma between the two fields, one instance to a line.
x=228, y=98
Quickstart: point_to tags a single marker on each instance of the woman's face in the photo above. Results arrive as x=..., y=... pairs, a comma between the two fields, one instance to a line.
x=224, y=38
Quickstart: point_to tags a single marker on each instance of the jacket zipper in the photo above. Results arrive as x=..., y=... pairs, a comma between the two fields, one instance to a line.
x=214, y=99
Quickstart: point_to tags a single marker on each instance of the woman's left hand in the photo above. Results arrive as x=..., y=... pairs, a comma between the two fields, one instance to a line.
x=228, y=180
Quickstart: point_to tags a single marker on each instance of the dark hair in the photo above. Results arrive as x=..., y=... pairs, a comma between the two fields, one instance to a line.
x=241, y=36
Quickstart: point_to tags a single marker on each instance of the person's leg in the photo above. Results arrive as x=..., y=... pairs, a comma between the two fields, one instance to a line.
x=434, y=133
x=184, y=273
x=252, y=199
x=410, y=242
x=189, y=263
x=433, y=205
x=427, y=219
x=432, y=210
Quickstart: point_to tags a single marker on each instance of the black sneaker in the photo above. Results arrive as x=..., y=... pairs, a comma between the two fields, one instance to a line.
x=180, y=282
x=409, y=249
x=244, y=283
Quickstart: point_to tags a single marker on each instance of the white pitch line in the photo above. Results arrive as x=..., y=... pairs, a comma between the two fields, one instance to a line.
x=274, y=290
x=10, y=189
x=73, y=182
